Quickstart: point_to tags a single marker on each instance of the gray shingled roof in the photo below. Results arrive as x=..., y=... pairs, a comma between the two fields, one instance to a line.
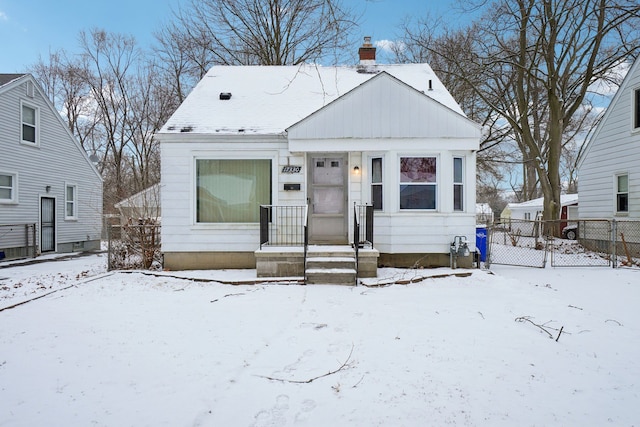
x=6, y=78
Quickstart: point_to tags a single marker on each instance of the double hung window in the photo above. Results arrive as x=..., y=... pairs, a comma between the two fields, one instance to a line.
x=29, y=118
x=458, y=184
x=376, y=183
x=636, y=110
x=7, y=187
x=622, y=193
x=418, y=183
x=71, y=202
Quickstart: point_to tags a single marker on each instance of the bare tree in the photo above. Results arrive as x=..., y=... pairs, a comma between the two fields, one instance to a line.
x=534, y=63
x=63, y=78
x=258, y=32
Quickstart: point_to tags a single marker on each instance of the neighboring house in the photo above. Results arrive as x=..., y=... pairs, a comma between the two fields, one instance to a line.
x=46, y=178
x=609, y=172
x=609, y=168
x=484, y=214
x=517, y=215
x=144, y=205
x=328, y=137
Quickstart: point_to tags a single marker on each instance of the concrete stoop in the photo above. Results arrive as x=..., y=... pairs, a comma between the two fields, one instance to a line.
x=334, y=265
x=325, y=264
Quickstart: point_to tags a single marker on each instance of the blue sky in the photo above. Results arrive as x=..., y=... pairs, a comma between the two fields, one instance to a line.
x=32, y=28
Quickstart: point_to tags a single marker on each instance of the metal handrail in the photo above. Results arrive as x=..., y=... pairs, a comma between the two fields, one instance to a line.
x=306, y=241
x=356, y=236
x=282, y=225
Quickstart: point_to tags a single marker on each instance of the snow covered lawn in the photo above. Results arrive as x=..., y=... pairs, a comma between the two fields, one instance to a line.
x=129, y=349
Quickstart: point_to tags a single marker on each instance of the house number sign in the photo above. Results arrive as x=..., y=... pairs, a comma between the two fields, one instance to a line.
x=291, y=169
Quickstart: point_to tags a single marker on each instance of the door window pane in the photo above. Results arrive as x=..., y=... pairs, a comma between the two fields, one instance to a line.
x=328, y=171
x=328, y=200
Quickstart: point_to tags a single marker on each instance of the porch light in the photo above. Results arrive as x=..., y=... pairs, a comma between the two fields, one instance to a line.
x=356, y=170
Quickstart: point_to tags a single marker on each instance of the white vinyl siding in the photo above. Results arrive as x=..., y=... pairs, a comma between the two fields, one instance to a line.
x=8, y=187
x=613, y=150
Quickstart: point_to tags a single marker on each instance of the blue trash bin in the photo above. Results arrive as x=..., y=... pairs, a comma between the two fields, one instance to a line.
x=481, y=242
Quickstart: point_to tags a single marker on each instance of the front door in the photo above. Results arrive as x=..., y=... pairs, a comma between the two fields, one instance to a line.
x=328, y=198
x=47, y=224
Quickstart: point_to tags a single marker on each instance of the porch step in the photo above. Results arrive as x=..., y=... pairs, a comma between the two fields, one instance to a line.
x=331, y=265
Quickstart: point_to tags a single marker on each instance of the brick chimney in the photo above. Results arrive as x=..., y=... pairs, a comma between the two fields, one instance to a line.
x=367, y=52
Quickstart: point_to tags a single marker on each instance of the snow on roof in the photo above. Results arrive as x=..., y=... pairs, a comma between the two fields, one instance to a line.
x=269, y=99
x=565, y=200
x=145, y=198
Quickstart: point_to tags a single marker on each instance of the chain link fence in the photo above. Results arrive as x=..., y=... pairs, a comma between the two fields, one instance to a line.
x=583, y=243
x=577, y=243
x=518, y=243
x=134, y=246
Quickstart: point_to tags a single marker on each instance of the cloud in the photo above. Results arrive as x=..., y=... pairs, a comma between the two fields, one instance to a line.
x=389, y=45
x=3, y=16
x=609, y=86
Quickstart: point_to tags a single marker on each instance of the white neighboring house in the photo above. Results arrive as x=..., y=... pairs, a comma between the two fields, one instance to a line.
x=532, y=209
x=144, y=205
x=484, y=214
x=330, y=137
x=46, y=178
x=609, y=168
x=516, y=215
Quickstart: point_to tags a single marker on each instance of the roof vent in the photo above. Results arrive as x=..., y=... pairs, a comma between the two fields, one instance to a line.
x=225, y=95
x=30, y=89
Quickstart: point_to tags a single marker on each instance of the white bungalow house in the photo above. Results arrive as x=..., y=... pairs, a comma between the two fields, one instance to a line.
x=327, y=140
x=609, y=167
x=50, y=192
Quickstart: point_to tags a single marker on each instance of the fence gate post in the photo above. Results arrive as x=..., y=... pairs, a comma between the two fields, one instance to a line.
x=108, y=247
x=614, y=242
